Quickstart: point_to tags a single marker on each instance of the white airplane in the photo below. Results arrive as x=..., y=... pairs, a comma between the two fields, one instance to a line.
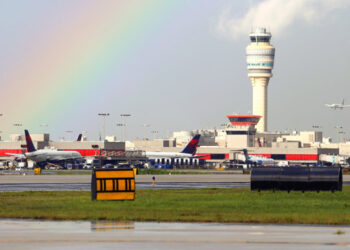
x=187, y=152
x=43, y=156
x=186, y=156
x=257, y=160
x=337, y=105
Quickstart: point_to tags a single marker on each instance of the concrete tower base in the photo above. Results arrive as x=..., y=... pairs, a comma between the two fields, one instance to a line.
x=260, y=101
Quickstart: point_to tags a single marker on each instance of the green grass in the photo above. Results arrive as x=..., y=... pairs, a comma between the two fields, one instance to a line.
x=186, y=205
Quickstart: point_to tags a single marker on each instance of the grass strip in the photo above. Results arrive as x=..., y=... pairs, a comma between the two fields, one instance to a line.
x=185, y=205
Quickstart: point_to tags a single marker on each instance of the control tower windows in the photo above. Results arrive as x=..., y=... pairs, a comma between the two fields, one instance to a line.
x=237, y=119
x=263, y=39
x=260, y=39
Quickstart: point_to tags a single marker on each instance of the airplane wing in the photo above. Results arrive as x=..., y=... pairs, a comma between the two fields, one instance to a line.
x=200, y=156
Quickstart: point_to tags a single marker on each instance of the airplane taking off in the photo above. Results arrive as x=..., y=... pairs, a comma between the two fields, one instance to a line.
x=188, y=152
x=337, y=105
x=43, y=156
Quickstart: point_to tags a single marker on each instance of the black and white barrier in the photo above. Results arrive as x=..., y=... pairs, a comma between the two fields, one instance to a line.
x=297, y=178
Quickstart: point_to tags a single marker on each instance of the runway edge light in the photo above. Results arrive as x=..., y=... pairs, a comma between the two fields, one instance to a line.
x=113, y=184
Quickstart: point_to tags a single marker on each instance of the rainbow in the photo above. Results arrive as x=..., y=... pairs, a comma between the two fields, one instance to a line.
x=64, y=71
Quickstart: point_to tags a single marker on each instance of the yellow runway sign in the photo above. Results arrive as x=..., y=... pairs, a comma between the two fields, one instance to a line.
x=113, y=184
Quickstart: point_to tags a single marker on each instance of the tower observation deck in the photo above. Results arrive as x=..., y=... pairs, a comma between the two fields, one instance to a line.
x=260, y=60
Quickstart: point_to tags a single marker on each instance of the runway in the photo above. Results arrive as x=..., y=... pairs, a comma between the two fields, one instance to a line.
x=29, y=234
x=82, y=182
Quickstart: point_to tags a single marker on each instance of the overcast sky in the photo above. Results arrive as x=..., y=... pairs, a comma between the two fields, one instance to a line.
x=175, y=65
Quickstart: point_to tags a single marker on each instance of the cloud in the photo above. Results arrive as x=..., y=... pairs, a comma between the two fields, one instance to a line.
x=276, y=14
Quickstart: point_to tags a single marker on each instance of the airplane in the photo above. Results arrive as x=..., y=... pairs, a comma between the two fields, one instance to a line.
x=337, y=105
x=188, y=152
x=79, y=137
x=252, y=160
x=186, y=156
x=258, y=160
x=44, y=156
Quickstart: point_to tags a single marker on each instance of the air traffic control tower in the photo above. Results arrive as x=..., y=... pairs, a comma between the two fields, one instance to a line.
x=260, y=58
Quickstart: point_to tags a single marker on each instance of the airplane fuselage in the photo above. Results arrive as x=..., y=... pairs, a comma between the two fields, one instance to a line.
x=262, y=161
x=337, y=106
x=153, y=155
x=47, y=155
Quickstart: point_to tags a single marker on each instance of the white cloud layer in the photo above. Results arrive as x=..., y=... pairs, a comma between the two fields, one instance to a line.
x=276, y=15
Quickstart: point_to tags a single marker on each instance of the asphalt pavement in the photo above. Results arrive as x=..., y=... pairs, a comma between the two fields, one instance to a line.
x=82, y=182
x=36, y=234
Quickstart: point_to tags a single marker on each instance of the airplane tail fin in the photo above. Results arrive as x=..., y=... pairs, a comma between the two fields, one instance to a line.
x=79, y=137
x=343, y=102
x=245, y=151
x=192, y=145
x=30, y=145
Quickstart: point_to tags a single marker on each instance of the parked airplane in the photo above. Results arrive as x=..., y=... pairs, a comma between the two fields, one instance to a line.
x=44, y=156
x=258, y=160
x=188, y=151
x=186, y=156
x=252, y=160
x=79, y=137
x=337, y=105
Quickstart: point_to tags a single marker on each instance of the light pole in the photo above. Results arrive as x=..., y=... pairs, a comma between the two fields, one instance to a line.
x=17, y=125
x=341, y=138
x=44, y=126
x=104, y=115
x=339, y=130
x=84, y=135
x=316, y=126
x=69, y=132
x=123, y=116
x=1, y=131
x=144, y=130
x=121, y=125
x=154, y=132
